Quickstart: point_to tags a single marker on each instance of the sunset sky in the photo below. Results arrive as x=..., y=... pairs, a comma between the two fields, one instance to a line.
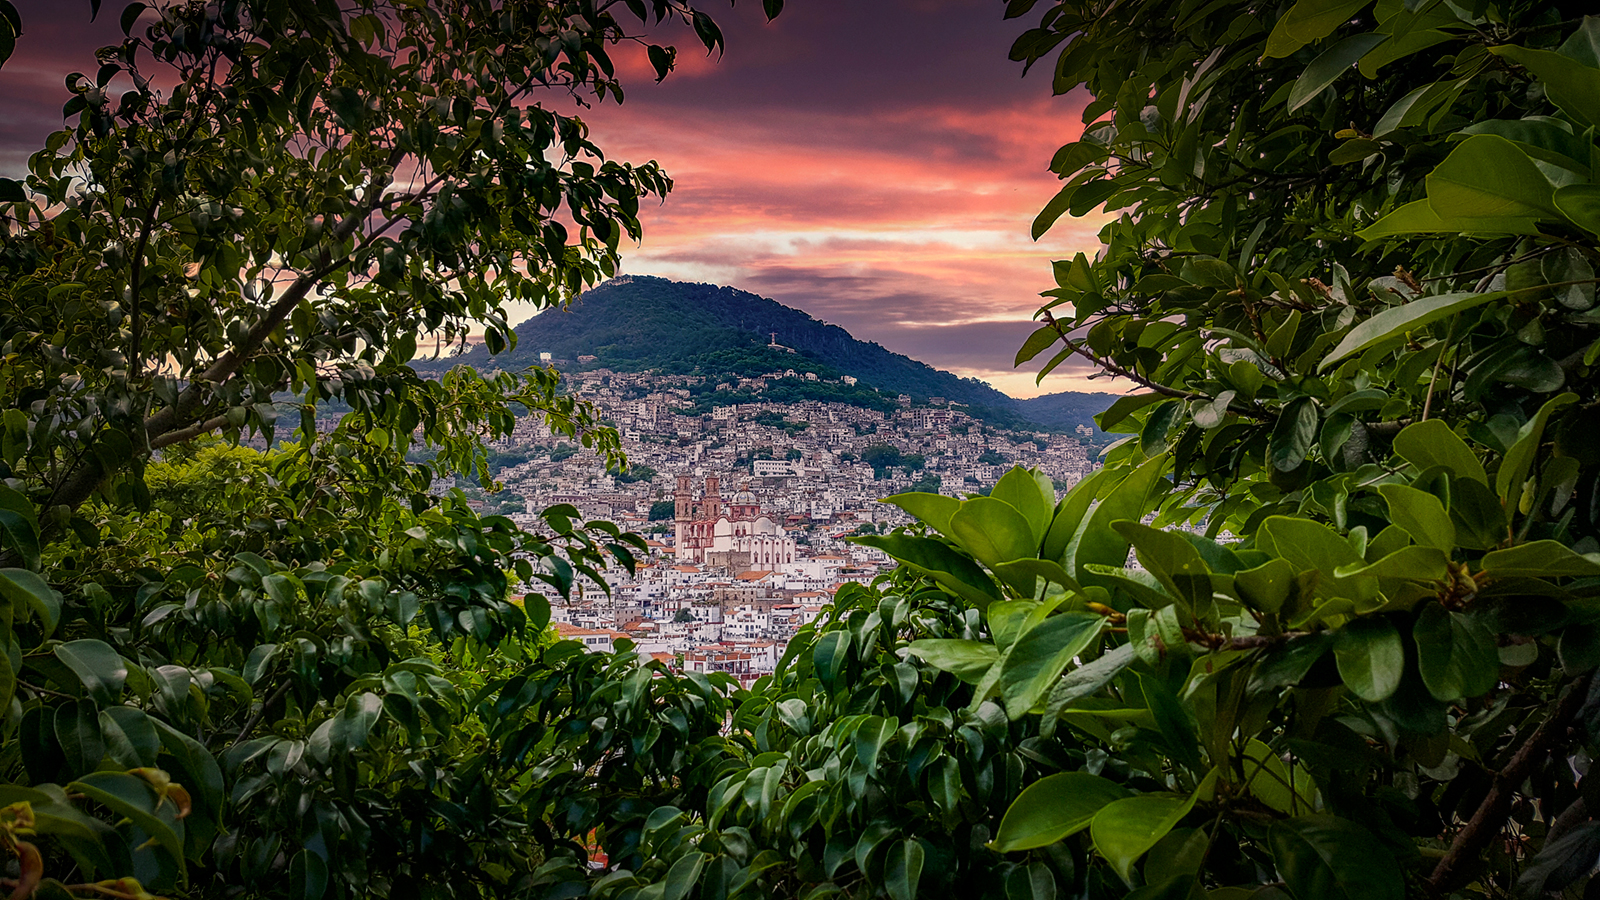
x=875, y=163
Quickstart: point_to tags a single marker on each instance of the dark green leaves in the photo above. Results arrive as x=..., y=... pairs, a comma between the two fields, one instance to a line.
x=1308, y=21
x=903, y=869
x=134, y=798
x=1335, y=61
x=99, y=667
x=25, y=590
x=1455, y=653
x=1371, y=658
x=1294, y=435
x=1040, y=655
x=1327, y=857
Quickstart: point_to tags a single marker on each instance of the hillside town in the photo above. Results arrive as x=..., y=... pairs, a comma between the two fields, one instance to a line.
x=748, y=506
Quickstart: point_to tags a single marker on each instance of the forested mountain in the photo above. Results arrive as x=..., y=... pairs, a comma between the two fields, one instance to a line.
x=641, y=322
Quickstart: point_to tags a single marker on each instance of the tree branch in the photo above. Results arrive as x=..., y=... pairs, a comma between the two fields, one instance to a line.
x=1138, y=379
x=1492, y=813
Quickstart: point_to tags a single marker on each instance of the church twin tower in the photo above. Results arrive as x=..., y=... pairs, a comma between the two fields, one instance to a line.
x=736, y=536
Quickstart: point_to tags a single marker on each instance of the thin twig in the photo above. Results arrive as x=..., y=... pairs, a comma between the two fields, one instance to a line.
x=45, y=690
x=265, y=705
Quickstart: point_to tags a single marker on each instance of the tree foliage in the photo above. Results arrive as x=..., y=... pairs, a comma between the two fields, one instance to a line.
x=1355, y=277
x=229, y=673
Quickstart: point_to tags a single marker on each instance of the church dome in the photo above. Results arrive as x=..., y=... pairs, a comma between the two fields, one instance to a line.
x=744, y=498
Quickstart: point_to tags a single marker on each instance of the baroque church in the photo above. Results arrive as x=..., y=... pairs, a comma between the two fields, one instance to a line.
x=733, y=535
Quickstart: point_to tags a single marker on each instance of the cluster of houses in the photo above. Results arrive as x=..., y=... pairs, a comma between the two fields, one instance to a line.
x=699, y=618
x=748, y=506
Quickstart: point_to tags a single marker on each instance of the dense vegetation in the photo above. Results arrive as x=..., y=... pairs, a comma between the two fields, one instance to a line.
x=1359, y=293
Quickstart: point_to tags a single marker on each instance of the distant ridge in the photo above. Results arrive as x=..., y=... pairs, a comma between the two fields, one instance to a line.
x=638, y=322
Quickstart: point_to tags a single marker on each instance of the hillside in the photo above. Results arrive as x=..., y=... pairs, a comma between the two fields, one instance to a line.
x=1067, y=409
x=634, y=323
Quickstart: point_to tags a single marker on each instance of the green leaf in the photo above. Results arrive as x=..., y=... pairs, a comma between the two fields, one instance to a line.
x=1033, y=495
x=1433, y=443
x=1583, y=45
x=1456, y=654
x=1480, y=520
x=1400, y=46
x=1025, y=571
x=1176, y=727
x=1265, y=587
x=201, y=766
x=1036, y=343
x=1487, y=176
x=1124, y=407
x=902, y=870
x=1178, y=855
x=1052, y=808
x=1542, y=137
x=20, y=524
x=1414, y=109
x=1273, y=783
x=1034, y=663
x=361, y=712
x=26, y=589
x=1096, y=542
x=134, y=798
x=1518, y=463
x=1411, y=563
x=308, y=876
x=869, y=740
x=77, y=727
x=967, y=660
x=1306, y=544
x=1580, y=203
x=1371, y=657
x=1294, y=435
x=1210, y=415
x=1071, y=513
x=1124, y=830
x=1570, y=85
x=1086, y=680
x=1419, y=217
x=993, y=531
x=1053, y=210
x=1395, y=321
x=1540, y=559
x=829, y=656
x=129, y=736
x=683, y=874
x=1330, y=858
x=101, y=669
x=1421, y=515
x=1172, y=559
x=933, y=509
x=1307, y=22
x=1326, y=68
x=951, y=569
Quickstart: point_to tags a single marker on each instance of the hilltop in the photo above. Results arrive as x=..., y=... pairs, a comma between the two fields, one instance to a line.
x=638, y=323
